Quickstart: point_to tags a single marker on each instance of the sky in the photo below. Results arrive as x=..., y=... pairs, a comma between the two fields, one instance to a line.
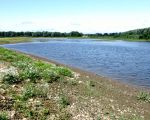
x=87, y=16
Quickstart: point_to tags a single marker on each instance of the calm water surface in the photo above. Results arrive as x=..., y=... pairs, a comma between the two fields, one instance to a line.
x=128, y=62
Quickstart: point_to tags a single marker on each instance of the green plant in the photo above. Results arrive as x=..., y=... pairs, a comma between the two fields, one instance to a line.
x=32, y=90
x=30, y=73
x=50, y=76
x=11, y=79
x=64, y=101
x=64, y=71
x=3, y=116
x=46, y=112
x=91, y=83
x=29, y=92
x=73, y=82
x=144, y=96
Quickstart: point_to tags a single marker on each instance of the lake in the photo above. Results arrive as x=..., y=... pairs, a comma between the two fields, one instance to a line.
x=128, y=62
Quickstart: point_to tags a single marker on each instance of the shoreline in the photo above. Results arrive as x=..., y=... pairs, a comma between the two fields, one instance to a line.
x=91, y=75
x=88, y=95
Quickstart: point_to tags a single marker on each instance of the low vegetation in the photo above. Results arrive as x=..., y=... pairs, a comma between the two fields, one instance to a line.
x=8, y=40
x=31, y=89
x=144, y=96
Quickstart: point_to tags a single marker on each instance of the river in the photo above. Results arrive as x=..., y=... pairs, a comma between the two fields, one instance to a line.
x=128, y=62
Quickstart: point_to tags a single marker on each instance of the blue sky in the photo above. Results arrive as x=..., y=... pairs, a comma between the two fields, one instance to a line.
x=88, y=16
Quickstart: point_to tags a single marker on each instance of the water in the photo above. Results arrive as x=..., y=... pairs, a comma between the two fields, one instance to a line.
x=128, y=62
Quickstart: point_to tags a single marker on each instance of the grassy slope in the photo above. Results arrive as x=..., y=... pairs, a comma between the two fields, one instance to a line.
x=41, y=90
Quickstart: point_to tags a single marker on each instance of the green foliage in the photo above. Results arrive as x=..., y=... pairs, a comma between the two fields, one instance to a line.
x=11, y=79
x=64, y=71
x=64, y=101
x=3, y=116
x=30, y=73
x=51, y=76
x=32, y=90
x=91, y=83
x=144, y=96
x=40, y=34
x=73, y=82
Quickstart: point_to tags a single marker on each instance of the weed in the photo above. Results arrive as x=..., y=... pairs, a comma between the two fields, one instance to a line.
x=46, y=112
x=30, y=73
x=11, y=79
x=51, y=76
x=3, y=116
x=144, y=96
x=91, y=83
x=72, y=82
x=64, y=101
x=32, y=90
x=64, y=71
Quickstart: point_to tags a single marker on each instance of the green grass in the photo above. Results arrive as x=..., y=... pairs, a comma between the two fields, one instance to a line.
x=34, y=77
x=64, y=100
x=3, y=116
x=144, y=96
x=34, y=70
x=10, y=40
x=11, y=79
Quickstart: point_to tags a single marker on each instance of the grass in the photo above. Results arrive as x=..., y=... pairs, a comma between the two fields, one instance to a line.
x=64, y=100
x=144, y=96
x=3, y=116
x=11, y=79
x=10, y=40
x=32, y=82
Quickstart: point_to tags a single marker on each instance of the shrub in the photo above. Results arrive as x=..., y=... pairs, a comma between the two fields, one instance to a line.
x=73, y=82
x=91, y=83
x=41, y=66
x=3, y=116
x=34, y=91
x=64, y=101
x=11, y=79
x=64, y=71
x=144, y=96
x=30, y=73
x=29, y=92
x=51, y=76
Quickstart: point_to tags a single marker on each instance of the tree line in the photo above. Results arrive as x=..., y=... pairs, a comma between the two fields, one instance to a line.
x=40, y=34
x=132, y=34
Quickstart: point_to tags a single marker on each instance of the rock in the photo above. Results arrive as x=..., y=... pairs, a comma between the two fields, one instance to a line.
x=80, y=82
x=12, y=114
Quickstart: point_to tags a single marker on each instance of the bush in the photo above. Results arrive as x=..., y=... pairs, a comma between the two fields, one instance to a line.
x=51, y=76
x=34, y=91
x=64, y=101
x=11, y=79
x=64, y=71
x=3, y=116
x=72, y=82
x=29, y=92
x=30, y=73
x=144, y=96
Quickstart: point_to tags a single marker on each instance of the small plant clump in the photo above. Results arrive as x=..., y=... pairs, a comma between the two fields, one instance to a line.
x=64, y=101
x=3, y=116
x=144, y=96
x=64, y=71
x=33, y=91
x=11, y=79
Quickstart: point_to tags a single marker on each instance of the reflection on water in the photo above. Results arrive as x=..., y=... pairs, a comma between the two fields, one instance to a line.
x=124, y=61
